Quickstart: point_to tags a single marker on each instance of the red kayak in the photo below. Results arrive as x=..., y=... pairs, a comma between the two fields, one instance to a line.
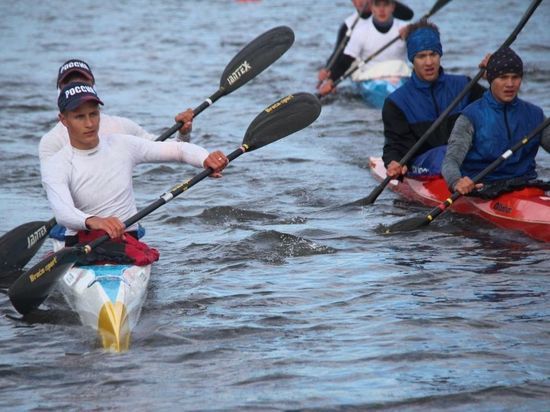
x=526, y=210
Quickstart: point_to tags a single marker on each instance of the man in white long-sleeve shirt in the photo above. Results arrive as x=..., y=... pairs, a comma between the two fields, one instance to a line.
x=75, y=70
x=89, y=181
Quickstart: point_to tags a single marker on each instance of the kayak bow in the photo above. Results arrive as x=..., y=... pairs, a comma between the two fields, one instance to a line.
x=107, y=298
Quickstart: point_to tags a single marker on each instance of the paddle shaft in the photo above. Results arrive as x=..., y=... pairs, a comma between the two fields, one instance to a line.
x=344, y=42
x=199, y=109
x=165, y=198
x=491, y=167
x=380, y=188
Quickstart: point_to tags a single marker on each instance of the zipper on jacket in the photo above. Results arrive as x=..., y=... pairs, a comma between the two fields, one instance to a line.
x=433, y=99
x=506, y=122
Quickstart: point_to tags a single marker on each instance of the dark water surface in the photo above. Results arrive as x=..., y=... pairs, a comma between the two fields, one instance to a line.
x=259, y=301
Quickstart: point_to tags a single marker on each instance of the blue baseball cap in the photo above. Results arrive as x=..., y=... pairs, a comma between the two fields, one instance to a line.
x=74, y=65
x=74, y=94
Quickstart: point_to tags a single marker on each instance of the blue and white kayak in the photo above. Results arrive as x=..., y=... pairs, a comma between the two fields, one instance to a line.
x=107, y=298
x=374, y=92
x=376, y=81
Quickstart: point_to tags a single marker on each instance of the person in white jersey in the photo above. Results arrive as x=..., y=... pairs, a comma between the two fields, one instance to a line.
x=363, y=11
x=369, y=36
x=78, y=70
x=89, y=181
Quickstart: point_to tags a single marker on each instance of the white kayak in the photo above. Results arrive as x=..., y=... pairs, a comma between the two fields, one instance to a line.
x=107, y=298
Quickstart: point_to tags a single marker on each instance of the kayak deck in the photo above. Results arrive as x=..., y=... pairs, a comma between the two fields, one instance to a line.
x=526, y=210
x=374, y=91
x=108, y=299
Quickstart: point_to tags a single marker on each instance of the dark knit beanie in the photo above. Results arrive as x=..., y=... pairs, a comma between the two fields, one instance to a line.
x=503, y=61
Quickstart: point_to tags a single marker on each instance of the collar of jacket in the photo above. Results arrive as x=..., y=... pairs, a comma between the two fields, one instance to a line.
x=495, y=104
x=423, y=84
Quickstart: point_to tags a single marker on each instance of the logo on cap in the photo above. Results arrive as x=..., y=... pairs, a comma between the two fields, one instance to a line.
x=71, y=66
x=74, y=64
x=74, y=94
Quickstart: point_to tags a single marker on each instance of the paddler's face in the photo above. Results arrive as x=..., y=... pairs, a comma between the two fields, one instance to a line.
x=426, y=65
x=362, y=5
x=506, y=87
x=382, y=11
x=82, y=125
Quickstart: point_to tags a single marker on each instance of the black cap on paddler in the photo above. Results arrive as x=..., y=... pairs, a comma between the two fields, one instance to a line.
x=74, y=94
x=72, y=66
x=503, y=61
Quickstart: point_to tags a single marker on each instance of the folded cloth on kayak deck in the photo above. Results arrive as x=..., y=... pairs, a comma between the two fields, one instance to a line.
x=120, y=251
x=493, y=189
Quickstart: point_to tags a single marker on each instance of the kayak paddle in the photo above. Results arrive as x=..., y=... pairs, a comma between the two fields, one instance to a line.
x=417, y=222
x=254, y=58
x=20, y=244
x=284, y=117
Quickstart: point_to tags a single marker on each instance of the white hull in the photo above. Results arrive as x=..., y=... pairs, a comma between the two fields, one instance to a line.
x=107, y=298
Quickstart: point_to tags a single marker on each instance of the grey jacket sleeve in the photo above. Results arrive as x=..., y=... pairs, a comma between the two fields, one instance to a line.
x=460, y=142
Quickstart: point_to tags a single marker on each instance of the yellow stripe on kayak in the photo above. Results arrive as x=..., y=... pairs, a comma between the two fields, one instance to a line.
x=113, y=327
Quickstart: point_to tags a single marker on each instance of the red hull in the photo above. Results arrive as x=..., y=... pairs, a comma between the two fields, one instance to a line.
x=526, y=210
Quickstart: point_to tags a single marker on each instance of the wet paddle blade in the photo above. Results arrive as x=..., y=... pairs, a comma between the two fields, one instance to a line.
x=256, y=56
x=34, y=286
x=373, y=195
x=407, y=225
x=19, y=245
x=365, y=201
x=284, y=117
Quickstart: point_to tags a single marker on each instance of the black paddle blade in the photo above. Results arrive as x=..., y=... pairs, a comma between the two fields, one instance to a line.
x=34, y=286
x=406, y=225
x=284, y=117
x=368, y=200
x=19, y=245
x=256, y=56
x=373, y=195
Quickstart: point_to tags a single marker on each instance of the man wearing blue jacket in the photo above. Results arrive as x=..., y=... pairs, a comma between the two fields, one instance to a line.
x=490, y=126
x=411, y=110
